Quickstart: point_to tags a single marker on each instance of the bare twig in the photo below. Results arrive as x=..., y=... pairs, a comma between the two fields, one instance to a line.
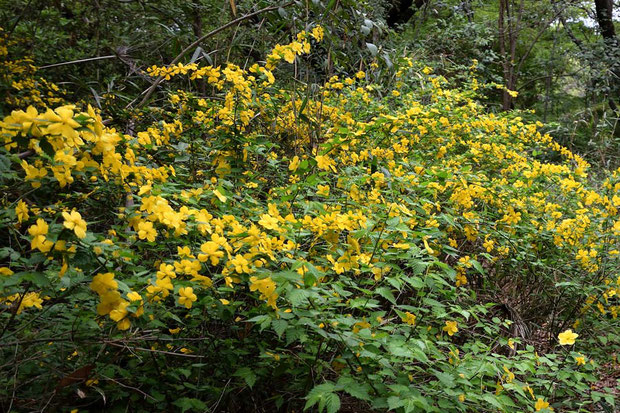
x=15, y=310
x=72, y=62
x=221, y=395
x=153, y=351
x=14, y=377
x=129, y=387
x=148, y=92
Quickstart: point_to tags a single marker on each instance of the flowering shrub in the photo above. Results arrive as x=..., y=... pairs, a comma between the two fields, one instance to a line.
x=351, y=247
x=19, y=83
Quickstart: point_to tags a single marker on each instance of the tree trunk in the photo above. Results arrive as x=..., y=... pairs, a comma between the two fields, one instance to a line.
x=604, y=18
x=507, y=41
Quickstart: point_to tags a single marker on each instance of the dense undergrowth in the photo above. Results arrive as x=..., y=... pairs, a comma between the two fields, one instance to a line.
x=358, y=247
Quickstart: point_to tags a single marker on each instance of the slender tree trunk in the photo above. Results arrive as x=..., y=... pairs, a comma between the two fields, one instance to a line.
x=549, y=80
x=507, y=45
x=604, y=17
x=197, y=29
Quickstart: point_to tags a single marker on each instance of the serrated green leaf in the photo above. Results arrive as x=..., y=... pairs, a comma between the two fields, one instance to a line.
x=246, y=374
x=279, y=326
x=386, y=293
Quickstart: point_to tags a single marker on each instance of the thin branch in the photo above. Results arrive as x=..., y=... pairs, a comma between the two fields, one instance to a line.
x=112, y=343
x=129, y=387
x=543, y=28
x=18, y=19
x=90, y=59
x=148, y=92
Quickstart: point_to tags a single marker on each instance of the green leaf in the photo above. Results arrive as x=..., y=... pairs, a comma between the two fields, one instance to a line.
x=386, y=293
x=323, y=395
x=279, y=326
x=247, y=374
x=47, y=147
x=373, y=49
x=394, y=402
x=492, y=400
x=185, y=403
x=332, y=402
x=37, y=278
x=446, y=379
x=415, y=282
x=477, y=266
x=354, y=388
x=297, y=297
x=309, y=279
x=399, y=350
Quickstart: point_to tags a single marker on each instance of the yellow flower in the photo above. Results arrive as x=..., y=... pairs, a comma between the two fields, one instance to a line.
x=184, y=252
x=109, y=301
x=240, y=264
x=6, y=271
x=269, y=222
x=30, y=300
x=63, y=124
x=103, y=282
x=581, y=360
x=427, y=247
x=267, y=288
x=164, y=284
x=567, y=338
x=488, y=245
x=450, y=327
x=33, y=173
x=294, y=164
x=75, y=222
x=289, y=55
x=409, y=318
x=146, y=231
x=145, y=189
x=38, y=232
x=40, y=228
x=187, y=296
x=317, y=33
x=39, y=242
x=541, y=404
x=219, y=195
x=323, y=190
x=21, y=210
x=124, y=324
x=210, y=250
x=325, y=162
x=120, y=313
x=166, y=270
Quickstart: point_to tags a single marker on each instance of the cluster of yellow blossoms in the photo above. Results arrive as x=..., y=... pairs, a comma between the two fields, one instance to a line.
x=73, y=142
x=378, y=196
x=19, y=75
